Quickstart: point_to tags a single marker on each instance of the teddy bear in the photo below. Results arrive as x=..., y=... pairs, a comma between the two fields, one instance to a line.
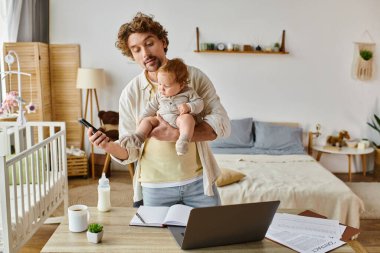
x=110, y=126
x=338, y=141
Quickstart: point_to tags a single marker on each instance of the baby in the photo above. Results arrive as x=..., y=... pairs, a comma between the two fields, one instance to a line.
x=175, y=102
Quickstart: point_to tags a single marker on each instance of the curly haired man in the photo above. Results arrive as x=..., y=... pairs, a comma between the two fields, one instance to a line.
x=162, y=178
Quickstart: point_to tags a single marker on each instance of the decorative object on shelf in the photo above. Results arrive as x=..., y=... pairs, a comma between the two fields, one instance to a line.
x=276, y=47
x=282, y=47
x=247, y=48
x=90, y=80
x=363, y=58
x=268, y=49
x=95, y=233
x=230, y=46
x=338, y=141
x=220, y=46
x=197, y=35
x=236, y=48
x=13, y=99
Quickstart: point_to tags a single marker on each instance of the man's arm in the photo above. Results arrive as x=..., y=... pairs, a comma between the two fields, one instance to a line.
x=203, y=132
x=165, y=132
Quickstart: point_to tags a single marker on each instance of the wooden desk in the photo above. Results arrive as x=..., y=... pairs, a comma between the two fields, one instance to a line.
x=350, y=152
x=120, y=237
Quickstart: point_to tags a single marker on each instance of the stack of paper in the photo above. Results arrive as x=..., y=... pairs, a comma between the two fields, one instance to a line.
x=306, y=234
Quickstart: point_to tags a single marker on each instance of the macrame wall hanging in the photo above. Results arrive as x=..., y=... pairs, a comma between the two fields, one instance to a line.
x=363, y=68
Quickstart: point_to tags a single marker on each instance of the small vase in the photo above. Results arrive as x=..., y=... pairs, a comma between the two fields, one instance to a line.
x=94, y=237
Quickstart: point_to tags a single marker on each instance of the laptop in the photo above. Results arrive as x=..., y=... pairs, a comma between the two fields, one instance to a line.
x=224, y=225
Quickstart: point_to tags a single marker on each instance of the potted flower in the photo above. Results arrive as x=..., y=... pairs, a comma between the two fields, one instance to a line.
x=95, y=232
x=375, y=124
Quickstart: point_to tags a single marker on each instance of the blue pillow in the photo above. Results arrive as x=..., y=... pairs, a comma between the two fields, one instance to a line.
x=241, y=135
x=276, y=137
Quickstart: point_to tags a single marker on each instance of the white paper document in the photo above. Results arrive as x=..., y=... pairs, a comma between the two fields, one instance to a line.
x=303, y=243
x=306, y=225
x=305, y=234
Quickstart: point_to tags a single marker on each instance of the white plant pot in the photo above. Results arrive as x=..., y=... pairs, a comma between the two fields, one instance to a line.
x=94, y=237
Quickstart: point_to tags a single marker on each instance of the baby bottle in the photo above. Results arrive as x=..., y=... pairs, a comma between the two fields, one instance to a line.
x=104, y=191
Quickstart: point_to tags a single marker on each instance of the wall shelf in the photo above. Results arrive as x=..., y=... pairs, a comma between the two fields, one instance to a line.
x=282, y=48
x=237, y=52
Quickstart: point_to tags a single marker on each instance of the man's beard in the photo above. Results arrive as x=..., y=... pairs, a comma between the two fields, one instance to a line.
x=153, y=68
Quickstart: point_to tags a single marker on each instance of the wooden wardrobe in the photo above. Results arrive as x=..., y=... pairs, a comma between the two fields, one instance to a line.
x=52, y=86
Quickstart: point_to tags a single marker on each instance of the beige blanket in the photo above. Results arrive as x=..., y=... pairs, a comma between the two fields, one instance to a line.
x=298, y=181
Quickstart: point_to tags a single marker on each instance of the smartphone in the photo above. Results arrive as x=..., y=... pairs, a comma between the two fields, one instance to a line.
x=88, y=125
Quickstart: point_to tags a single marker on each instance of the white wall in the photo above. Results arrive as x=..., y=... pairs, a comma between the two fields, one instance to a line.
x=311, y=85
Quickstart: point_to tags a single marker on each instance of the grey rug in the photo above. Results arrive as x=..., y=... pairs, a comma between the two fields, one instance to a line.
x=370, y=194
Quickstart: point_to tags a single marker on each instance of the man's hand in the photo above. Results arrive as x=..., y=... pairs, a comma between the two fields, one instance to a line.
x=98, y=139
x=164, y=131
x=101, y=140
x=183, y=108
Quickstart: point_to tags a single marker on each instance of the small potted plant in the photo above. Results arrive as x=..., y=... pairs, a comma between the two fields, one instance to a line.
x=375, y=124
x=95, y=232
x=276, y=47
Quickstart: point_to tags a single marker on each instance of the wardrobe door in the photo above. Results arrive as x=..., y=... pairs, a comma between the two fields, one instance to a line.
x=67, y=99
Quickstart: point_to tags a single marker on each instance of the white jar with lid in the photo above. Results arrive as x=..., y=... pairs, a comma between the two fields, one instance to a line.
x=104, y=194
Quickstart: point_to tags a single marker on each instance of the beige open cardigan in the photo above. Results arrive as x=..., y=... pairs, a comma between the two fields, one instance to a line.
x=133, y=101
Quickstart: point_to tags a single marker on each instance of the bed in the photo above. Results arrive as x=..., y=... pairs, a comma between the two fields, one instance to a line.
x=33, y=178
x=276, y=167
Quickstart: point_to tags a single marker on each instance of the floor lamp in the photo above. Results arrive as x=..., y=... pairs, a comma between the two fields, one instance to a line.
x=90, y=80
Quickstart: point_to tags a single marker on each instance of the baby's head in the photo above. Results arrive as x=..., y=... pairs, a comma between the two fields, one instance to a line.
x=172, y=77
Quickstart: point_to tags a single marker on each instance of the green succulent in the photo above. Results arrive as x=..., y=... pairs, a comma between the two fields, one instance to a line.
x=277, y=44
x=375, y=124
x=366, y=54
x=95, y=228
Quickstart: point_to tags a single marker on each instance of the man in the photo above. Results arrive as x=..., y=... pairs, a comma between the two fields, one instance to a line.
x=162, y=178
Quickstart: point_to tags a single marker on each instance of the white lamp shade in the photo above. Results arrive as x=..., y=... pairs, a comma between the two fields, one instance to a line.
x=90, y=78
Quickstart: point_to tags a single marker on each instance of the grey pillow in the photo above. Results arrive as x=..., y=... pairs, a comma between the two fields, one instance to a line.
x=241, y=135
x=276, y=137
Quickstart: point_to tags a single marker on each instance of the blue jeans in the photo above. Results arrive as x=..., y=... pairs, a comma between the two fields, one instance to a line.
x=191, y=195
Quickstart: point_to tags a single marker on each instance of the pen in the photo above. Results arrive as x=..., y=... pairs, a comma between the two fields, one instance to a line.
x=140, y=218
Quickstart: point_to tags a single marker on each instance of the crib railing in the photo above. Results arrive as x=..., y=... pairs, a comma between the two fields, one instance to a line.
x=33, y=182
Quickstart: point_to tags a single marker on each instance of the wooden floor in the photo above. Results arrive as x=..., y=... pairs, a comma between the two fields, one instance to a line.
x=370, y=229
x=369, y=236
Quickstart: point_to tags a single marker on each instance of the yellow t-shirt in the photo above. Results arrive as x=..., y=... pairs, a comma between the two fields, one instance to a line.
x=160, y=162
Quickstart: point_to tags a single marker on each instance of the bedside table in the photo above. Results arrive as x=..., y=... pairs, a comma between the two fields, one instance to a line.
x=346, y=151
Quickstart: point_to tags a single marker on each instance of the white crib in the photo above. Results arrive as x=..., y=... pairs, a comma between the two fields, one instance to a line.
x=33, y=178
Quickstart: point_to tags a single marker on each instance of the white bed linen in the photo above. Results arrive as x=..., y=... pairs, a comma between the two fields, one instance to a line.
x=298, y=181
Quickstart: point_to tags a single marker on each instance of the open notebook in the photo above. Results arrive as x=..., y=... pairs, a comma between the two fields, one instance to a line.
x=159, y=216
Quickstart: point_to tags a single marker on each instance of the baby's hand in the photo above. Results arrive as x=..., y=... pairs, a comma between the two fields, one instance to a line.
x=183, y=108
